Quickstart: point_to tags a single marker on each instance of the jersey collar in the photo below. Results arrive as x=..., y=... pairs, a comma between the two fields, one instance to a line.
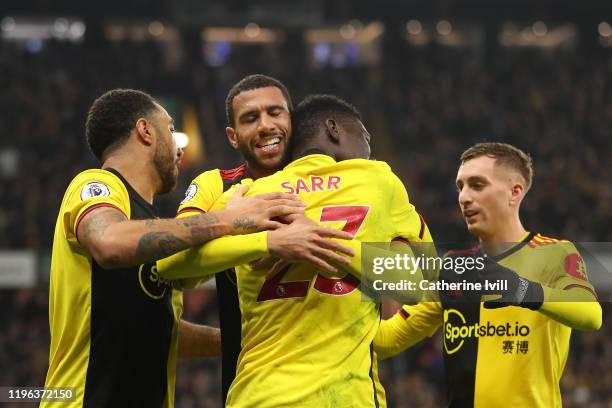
x=133, y=193
x=524, y=240
x=308, y=152
x=307, y=155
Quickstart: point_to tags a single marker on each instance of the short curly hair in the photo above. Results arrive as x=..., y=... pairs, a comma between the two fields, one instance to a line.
x=310, y=114
x=504, y=154
x=113, y=115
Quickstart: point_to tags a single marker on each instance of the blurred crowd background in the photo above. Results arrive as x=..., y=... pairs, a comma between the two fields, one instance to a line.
x=423, y=102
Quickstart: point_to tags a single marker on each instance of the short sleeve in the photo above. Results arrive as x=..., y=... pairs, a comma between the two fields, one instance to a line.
x=221, y=201
x=201, y=194
x=89, y=190
x=569, y=269
x=408, y=223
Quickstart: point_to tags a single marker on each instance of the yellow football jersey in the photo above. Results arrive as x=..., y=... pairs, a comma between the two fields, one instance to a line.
x=510, y=356
x=201, y=194
x=113, y=332
x=306, y=338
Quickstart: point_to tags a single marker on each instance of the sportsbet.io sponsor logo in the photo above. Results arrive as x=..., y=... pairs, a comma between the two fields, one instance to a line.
x=456, y=330
x=151, y=283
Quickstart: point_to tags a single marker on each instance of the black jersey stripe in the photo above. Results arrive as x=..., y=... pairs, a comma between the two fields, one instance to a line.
x=422, y=230
x=514, y=249
x=131, y=325
x=461, y=309
x=376, y=403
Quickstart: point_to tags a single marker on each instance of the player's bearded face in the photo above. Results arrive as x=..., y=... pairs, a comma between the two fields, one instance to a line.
x=263, y=128
x=166, y=163
x=167, y=157
x=483, y=196
x=257, y=153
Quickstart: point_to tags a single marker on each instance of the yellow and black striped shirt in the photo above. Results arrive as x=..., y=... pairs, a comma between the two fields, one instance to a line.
x=113, y=332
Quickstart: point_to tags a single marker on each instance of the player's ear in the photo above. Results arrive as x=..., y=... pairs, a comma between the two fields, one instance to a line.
x=232, y=136
x=516, y=194
x=333, y=130
x=144, y=131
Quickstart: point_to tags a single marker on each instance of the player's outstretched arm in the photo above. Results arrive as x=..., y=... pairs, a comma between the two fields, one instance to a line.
x=362, y=266
x=196, y=340
x=407, y=327
x=583, y=314
x=114, y=241
x=294, y=242
x=575, y=306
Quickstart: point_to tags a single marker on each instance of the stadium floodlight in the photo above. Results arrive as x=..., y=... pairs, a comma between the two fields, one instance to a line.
x=139, y=31
x=250, y=34
x=76, y=30
x=60, y=27
x=156, y=28
x=539, y=28
x=414, y=27
x=538, y=34
x=33, y=32
x=252, y=30
x=444, y=27
x=347, y=31
x=182, y=139
x=7, y=24
x=354, y=43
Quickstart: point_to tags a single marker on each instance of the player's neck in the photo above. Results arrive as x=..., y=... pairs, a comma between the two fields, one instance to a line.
x=311, y=149
x=510, y=233
x=138, y=173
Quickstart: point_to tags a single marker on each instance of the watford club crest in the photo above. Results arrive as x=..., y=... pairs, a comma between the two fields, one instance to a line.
x=574, y=265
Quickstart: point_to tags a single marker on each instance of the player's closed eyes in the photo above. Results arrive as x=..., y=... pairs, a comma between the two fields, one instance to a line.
x=478, y=186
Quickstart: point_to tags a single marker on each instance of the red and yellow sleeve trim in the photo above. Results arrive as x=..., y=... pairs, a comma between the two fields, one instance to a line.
x=90, y=209
x=541, y=240
x=575, y=285
x=405, y=315
x=401, y=239
x=191, y=209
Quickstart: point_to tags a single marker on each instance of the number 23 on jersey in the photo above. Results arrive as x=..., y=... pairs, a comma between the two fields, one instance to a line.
x=274, y=289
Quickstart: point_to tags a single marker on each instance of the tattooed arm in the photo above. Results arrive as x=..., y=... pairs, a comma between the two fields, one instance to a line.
x=114, y=241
